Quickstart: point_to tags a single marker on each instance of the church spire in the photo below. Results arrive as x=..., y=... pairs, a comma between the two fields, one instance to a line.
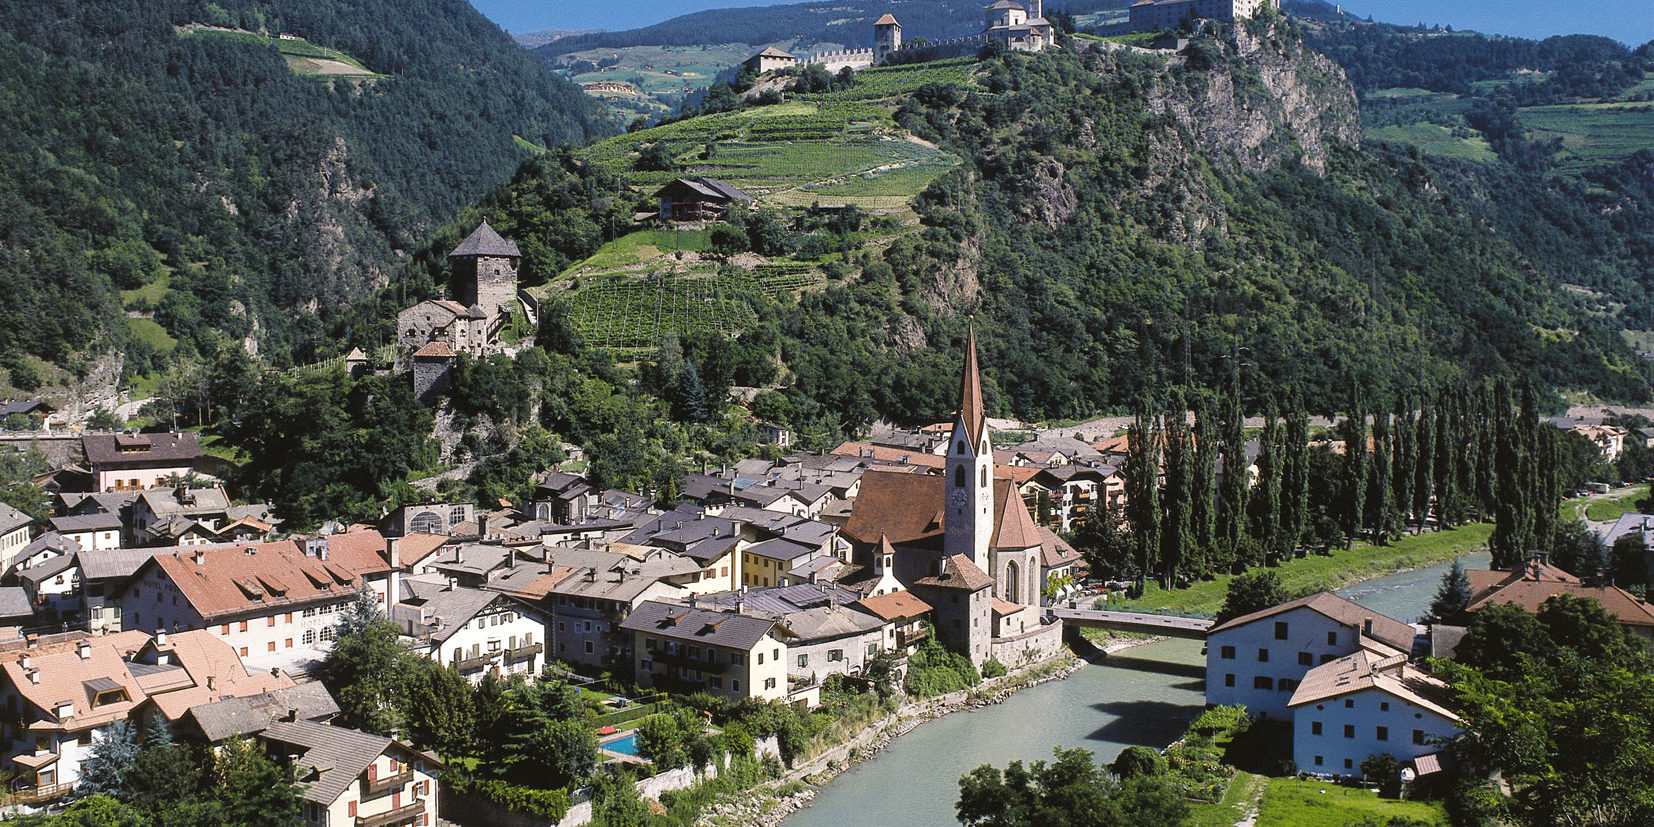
x=970, y=392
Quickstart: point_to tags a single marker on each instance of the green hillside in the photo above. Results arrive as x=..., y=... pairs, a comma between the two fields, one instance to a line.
x=243, y=168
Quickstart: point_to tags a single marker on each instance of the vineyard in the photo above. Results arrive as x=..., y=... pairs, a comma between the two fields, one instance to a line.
x=799, y=121
x=629, y=314
x=882, y=82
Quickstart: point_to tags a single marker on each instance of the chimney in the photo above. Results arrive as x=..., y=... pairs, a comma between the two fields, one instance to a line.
x=393, y=551
x=212, y=681
x=160, y=637
x=34, y=676
x=65, y=709
x=482, y=526
x=291, y=716
x=84, y=649
x=275, y=672
x=459, y=554
x=200, y=557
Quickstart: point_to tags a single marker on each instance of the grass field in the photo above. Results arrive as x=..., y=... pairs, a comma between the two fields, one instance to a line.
x=1592, y=134
x=644, y=246
x=1435, y=139
x=148, y=296
x=1315, y=573
x=152, y=333
x=1236, y=803
x=1290, y=802
x=302, y=56
x=1608, y=509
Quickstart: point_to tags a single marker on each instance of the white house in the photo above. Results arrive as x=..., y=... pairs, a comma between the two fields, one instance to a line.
x=687, y=649
x=14, y=533
x=1258, y=660
x=476, y=631
x=348, y=777
x=1362, y=705
x=101, y=531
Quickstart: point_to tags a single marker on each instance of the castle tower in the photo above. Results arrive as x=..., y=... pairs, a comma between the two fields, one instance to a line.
x=485, y=271
x=887, y=38
x=969, y=521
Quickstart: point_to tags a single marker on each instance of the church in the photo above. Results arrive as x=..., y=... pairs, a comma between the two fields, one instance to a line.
x=964, y=542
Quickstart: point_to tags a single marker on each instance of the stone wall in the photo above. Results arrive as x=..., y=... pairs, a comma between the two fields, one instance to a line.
x=1029, y=647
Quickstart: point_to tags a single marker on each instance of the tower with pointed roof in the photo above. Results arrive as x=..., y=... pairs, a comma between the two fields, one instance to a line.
x=485, y=272
x=887, y=38
x=969, y=501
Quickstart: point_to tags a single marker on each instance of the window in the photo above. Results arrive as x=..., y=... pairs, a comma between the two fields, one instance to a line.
x=803, y=661
x=1349, y=763
x=588, y=647
x=1229, y=679
x=456, y=515
x=1317, y=760
x=769, y=683
x=1349, y=730
x=737, y=658
x=735, y=684
x=959, y=476
x=1349, y=703
x=1287, y=685
x=1326, y=658
x=835, y=655
x=1383, y=733
x=1227, y=653
x=777, y=654
x=243, y=626
x=288, y=644
x=1263, y=655
x=327, y=633
x=308, y=637
x=1315, y=727
x=1304, y=659
x=270, y=647
x=1384, y=706
x=224, y=630
x=1332, y=638
x=645, y=665
x=1263, y=682
x=270, y=621
x=1418, y=736
x=244, y=651
x=1280, y=630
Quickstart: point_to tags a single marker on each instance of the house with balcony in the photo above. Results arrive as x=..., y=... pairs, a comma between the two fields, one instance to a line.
x=14, y=534
x=476, y=631
x=829, y=631
x=688, y=649
x=134, y=462
x=349, y=778
x=590, y=605
x=906, y=619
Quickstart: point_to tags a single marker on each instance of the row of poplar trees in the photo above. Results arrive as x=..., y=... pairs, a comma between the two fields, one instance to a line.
x=1432, y=459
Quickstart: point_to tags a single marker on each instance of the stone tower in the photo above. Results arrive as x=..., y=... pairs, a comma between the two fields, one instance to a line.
x=485, y=271
x=887, y=39
x=433, y=367
x=969, y=520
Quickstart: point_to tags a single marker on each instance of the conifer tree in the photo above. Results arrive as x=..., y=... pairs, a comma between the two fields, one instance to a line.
x=1379, y=508
x=1203, y=483
x=1403, y=457
x=1513, y=518
x=1142, y=487
x=1232, y=487
x=1444, y=466
x=1175, y=531
x=1266, y=495
x=1453, y=597
x=1353, y=482
x=104, y=773
x=1295, y=476
x=1424, y=464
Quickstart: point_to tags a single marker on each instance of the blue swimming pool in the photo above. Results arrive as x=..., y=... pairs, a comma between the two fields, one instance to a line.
x=625, y=744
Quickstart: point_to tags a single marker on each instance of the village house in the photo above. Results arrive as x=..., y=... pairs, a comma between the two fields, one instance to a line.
x=133, y=462
x=563, y=498
x=831, y=633
x=698, y=199
x=429, y=518
x=349, y=777
x=1258, y=660
x=416, y=553
x=218, y=721
x=14, y=534
x=1365, y=704
x=1528, y=586
x=686, y=649
x=62, y=693
x=475, y=631
x=184, y=516
x=769, y=60
x=591, y=605
x=279, y=600
x=905, y=617
x=1609, y=439
x=101, y=531
x=50, y=592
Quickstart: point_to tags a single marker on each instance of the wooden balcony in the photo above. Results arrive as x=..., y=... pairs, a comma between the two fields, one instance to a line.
x=42, y=793
x=387, y=784
x=524, y=652
x=468, y=664
x=911, y=637
x=405, y=814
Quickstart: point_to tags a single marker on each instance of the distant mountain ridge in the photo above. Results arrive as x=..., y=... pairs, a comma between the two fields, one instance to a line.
x=169, y=187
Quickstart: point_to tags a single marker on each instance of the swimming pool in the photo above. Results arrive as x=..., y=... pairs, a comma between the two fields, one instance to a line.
x=625, y=744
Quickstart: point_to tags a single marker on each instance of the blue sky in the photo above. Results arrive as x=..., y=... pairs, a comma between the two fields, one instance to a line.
x=1629, y=21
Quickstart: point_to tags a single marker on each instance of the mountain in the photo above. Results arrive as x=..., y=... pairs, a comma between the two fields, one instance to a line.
x=184, y=174
x=848, y=23
x=1118, y=222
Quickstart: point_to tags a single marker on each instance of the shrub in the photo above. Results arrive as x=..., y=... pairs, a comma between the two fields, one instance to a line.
x=551, y=804
x=993, y=668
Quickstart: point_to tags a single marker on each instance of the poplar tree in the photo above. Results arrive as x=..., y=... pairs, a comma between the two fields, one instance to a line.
x=1404, y=455
x=1175, y=534
x=1513, y=521
x=1546, y=477
x=1142, y=487
x=1232, y=488
x=1424, y=463
x=1379, y=509
x=1295, y=475
x=1445, y=465
x=1354, y=471
x=1203, y=485
x=1266, y=495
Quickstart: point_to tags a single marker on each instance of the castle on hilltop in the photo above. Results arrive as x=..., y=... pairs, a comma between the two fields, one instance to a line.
x=1155, y=15
x=1020, y=28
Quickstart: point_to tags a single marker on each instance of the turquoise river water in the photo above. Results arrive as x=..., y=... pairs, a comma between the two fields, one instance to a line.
x=1143, y=695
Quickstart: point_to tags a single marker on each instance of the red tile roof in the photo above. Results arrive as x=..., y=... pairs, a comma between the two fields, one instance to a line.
x=239, y=579
x=906, y=508
x=895, y=605
x=958, y=572
x=434, y=350
x=1531, y=594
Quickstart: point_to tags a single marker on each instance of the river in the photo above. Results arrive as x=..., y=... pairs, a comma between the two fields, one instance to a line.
x=1144, y=695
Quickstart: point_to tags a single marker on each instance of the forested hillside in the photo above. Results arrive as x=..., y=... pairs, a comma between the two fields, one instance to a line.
x=178, y=163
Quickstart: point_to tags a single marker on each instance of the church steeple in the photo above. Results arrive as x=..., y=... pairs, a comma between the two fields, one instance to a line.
x=969, y=508
x=970, y=391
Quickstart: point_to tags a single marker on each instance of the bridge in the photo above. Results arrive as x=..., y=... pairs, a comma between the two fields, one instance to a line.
x=1139, y=622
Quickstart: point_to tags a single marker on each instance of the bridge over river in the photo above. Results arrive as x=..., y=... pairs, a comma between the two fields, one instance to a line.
x=1139, y=622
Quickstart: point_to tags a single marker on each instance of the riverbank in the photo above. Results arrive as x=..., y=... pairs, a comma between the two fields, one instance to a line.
x=769, y=804
x=1316, y=573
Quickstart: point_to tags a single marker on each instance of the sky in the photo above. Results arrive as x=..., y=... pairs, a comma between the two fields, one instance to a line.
x=1628, y=21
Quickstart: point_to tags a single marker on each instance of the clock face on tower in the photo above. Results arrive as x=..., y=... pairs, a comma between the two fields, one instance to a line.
x=959, y=497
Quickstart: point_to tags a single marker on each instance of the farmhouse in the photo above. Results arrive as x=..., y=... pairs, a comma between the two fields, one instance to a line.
x=133, y=462
x=698, y=199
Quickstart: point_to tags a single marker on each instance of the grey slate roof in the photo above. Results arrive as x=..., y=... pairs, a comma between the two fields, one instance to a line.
x=87, y=522
x=164, y=449
x=27, y=406
x=125, y=562
x=243, y=716
x=727, y=629
x=485, y=241
x=778, y=549
x=456, y=605
x=11, y=519
x=14, y=603
x=45, y=571
x=50, y=541
x=337, y=755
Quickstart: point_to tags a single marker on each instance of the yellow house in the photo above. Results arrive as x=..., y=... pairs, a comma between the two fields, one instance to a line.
x=688, y=649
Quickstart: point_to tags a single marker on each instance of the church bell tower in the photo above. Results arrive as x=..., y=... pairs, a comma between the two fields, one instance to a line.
x=969, y=501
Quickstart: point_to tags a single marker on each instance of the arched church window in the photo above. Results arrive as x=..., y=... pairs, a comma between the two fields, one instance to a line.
x=959, y=446
x=1011, y=581
x=984, y=475
x=959, y=476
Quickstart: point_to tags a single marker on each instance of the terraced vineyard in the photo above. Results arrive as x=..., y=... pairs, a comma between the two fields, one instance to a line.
x=1592, y=134
x=780, y=277
x=892, y=81
x=798, y=121
x=629, y=315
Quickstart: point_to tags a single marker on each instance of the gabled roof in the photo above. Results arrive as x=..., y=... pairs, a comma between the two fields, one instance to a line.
x=11, y=519
x=336, y=755
x=971, y=409
x=958, y=572
x=63, y=675
x=140, y=450
x=1385, y=629
x=1530, y=595
x=1054, y=551
x=254, y=577
x=887, y=20
x=86, y=522
x=907, y=508
x=484, y=241
x=728, y=629
x=896, y=605
x=412, y=548
x=434, y=350
x=1362, y=670
x=713, y=188
x=228, y=718
x=771, y=51
x=210, y=672
x=14, y=602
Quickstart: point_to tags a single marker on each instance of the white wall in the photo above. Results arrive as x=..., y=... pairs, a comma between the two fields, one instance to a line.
x=1307, y=633
x=1409, y=731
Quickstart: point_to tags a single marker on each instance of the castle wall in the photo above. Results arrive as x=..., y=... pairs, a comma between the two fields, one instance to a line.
x=853, y=59
x=431, y=377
